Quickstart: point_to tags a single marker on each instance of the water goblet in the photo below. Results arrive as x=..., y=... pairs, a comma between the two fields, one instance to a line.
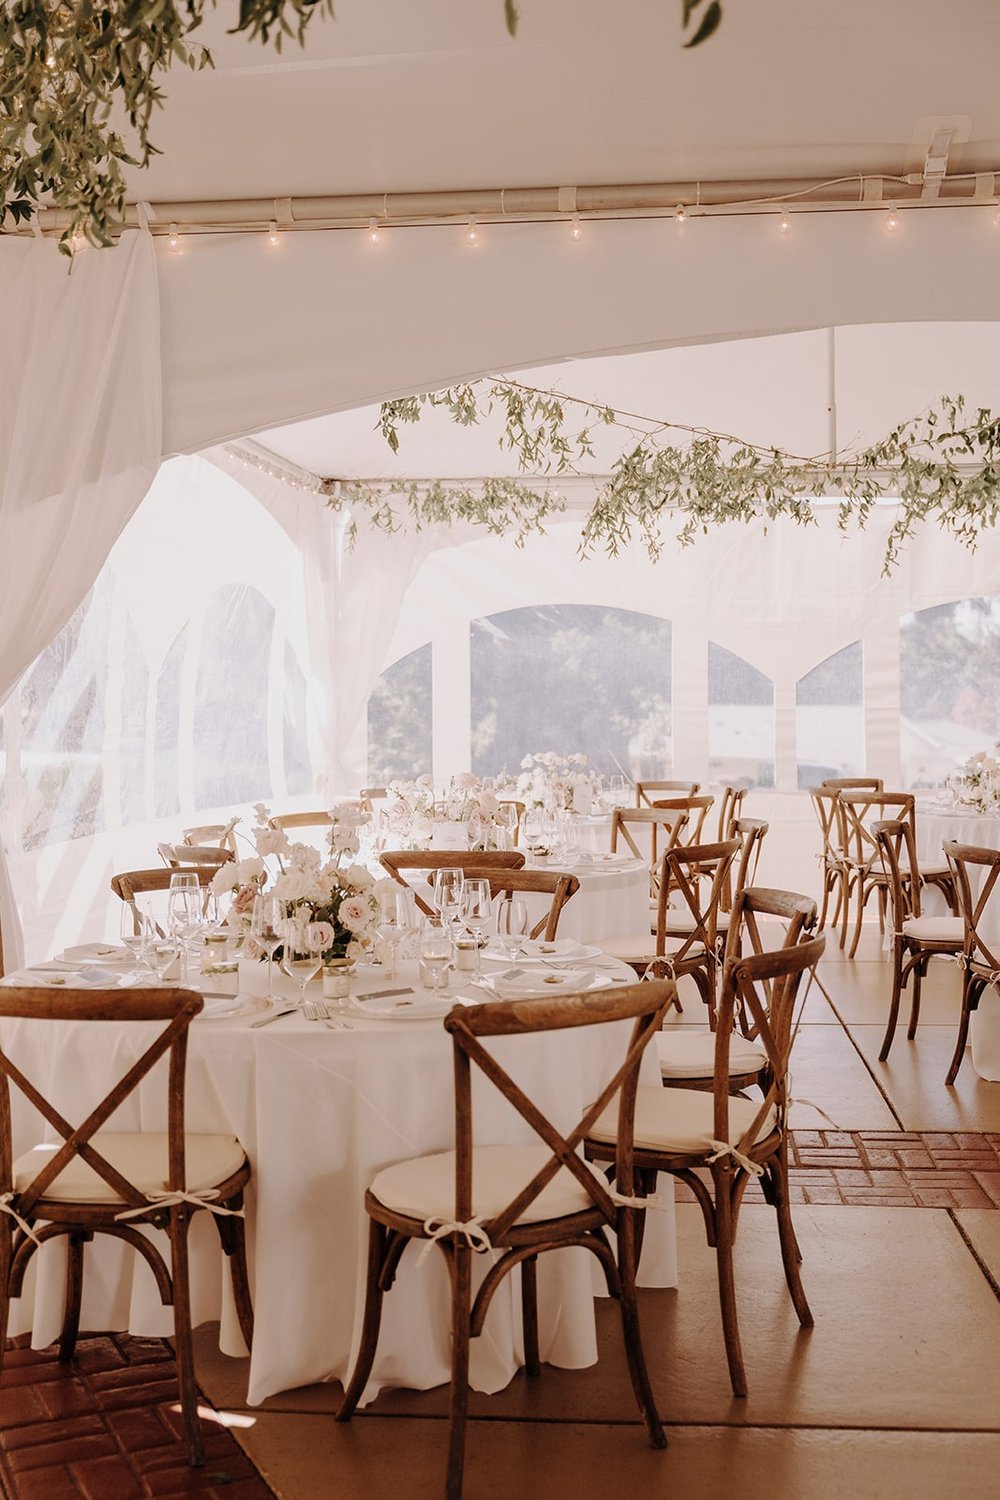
x=160, y=950
x=301, y=952
x=448, y=884
x=477, y=909
x=512, y=926
x=264, y=929
x=389, y=929
x=435, y=950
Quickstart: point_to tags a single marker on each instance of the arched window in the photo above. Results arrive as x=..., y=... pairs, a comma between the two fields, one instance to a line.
x=399, y=719
x=740, y=720
x=830, y=717
x=949, y=687
x=572, y=678
x=231, y=762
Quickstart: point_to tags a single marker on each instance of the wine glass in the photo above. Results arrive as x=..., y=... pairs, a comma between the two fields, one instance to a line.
x=389, y=928
x=512, y=925
x=435, y=949
x=160, y=950
x=406, y=919
x=619, y=791
x=448, y=884
x=301, y=952
x=185, y=916
x=131, y=929
x=264, y=929
x=477, y=909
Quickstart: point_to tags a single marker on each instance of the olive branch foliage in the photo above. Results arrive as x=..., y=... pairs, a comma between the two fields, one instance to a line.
x=942, y=466
x=80, y=79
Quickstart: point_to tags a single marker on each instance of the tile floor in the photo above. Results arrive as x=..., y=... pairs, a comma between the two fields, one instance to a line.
x=895, y=1392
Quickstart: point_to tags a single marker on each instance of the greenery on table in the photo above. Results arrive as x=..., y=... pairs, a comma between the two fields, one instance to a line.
x=943, y=466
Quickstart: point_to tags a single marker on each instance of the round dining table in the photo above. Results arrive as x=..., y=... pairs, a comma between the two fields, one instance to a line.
x=320, y=1107
x=935, y=825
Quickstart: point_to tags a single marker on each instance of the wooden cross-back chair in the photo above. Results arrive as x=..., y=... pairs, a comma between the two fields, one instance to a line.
x=646, y=791
x=289, y=822
x=853, y=784
x=183, y=856
x=730, y=808
x=89, y=1180
x=916, y=939
x=223, y=835
x=662, y=826
x=395, y=861
x=762, y=920
x=715, y=1142
x=977, y=873
x=751, y=833
x=685, y=941
x=864, y=872
x=697, y=809
x=131, y=883
x=515, y=1202
x=558, y=884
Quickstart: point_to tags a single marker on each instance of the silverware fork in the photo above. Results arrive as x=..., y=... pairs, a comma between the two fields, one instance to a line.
x=316, y=1010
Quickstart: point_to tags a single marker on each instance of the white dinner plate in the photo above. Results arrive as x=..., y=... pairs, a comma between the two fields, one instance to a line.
x=232, y=1007
x=561, y=951
x=558, y=982
x=100, y=954
x=415, y=1006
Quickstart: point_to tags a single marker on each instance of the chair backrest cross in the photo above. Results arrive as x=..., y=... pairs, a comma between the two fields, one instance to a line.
x=485, y=861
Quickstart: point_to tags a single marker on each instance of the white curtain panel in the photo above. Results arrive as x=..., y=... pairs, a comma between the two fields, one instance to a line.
x=80, y=438
x=354, y=593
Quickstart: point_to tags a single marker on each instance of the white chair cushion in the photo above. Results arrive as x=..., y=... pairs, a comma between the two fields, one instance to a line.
x=680, y=922
x=642, y=945
x=934, y=867
x=685, y=1052
x=424, y=1186
x=140, y=1156
x=681, y=1121
x=935, y=929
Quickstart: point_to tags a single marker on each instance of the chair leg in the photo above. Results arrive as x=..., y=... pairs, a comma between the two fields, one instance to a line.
x=971, y=990
x=460, y=1259
x=859, y=918
x=918, y=971
x=529, y=1314
x=897, y=989
x=628, y=1258
x=74, y=1294
x=724, y=1234
x=790, y=1253
x=353, y=1391
x=179, y=1218
x=6, y=1255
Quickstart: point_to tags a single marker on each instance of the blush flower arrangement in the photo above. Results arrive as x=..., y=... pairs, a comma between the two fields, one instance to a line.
x=976, y=784
x=340, y=902
x=559, y=783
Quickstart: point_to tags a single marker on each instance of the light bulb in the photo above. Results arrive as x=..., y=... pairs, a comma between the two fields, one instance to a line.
x=784, y=223
x=272, y=232
x=679, y=214
x=472, y=232
x=374, y=233
x=173, y=239
x=575, y=228
x=892, y=220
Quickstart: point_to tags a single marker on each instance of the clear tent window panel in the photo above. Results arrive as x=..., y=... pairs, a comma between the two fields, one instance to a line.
x=231, y=698
x=400, y=719
x=740, y=720
x=571, y=678
x=949, y=687
x=830, y=718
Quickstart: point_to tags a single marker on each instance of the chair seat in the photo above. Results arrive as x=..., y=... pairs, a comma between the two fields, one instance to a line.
x=934, y=867
x=642, y=945
x=141, y=1156
x=424, y=1186
x=681, y=922
x=685, y=1052
x=682, y=1121
x=935, y=929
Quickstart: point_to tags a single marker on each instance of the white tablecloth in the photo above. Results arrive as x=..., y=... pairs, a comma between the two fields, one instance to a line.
x=934, y=825
x=319, y=1112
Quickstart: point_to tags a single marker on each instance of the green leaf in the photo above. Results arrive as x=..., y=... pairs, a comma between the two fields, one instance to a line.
x=709, y=23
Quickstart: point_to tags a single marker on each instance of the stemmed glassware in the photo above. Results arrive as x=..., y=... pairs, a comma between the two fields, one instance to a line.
x=512, y=925
x=435, y=949
x=391, y=926
x=265, y=920
x=476, y=910
x=301, y=952
x=448, y=883
x=160, y=950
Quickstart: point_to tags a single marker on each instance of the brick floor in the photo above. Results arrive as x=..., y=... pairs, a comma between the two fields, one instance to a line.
x=104, y=1427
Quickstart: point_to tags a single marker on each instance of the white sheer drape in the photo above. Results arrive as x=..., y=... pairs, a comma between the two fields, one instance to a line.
x=80, y=438
x=354, y=593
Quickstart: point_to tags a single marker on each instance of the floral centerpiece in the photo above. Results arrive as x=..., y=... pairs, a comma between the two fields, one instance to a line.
x=559, y=783
x=415, y=814
x=346, y=818
x=976, y=784
x=340, y=902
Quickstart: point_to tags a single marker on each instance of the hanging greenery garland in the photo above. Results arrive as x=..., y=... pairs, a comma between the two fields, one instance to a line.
x=941, y=466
